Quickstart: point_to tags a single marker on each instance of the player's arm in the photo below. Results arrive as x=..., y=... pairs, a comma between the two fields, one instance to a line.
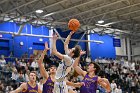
x=104, y=83
x=43, y=72
x=67, y=42
x=78, y=84
x=54, y=50
x=72, y=91
x=77, y=68
x=20, y=89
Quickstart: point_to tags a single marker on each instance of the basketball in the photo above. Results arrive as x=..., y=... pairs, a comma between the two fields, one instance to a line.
x=74, y=24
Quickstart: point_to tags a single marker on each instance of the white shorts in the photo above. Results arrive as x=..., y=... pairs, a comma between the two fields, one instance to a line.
x=60, y=87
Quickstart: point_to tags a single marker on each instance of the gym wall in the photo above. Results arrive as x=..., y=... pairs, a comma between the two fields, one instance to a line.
x=105, y=50
x=10, y=43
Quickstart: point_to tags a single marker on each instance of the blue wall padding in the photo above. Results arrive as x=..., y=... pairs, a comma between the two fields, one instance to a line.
x=13, y=43
x=105, y=50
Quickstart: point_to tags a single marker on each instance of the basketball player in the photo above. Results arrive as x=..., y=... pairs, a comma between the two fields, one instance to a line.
x=91, y=79
x=48, y=81
x=29, y=87
x=65, y=66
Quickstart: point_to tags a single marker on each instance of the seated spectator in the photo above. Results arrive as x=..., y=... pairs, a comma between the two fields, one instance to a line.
x=9, y=67
x=27, y=75
x=31, y=59
x=113, y=86
x=2, y=61
x=40, y=84
x=14, y=74
x=97, y=60
x=6, y=71
x=22, y=63
x=28, y=67
x=132, y=67
x=133, y=85
x=119, y=89
x=88, y=59
x=21, y=78
x=34, y=64
x=126, y=64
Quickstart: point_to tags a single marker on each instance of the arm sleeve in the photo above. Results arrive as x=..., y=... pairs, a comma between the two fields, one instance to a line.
x=67, y=60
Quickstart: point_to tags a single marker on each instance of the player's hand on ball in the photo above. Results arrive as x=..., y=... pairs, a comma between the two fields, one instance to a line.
x=72, y=32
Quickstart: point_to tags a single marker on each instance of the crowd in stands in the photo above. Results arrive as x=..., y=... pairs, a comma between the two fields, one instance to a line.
x=124, y=76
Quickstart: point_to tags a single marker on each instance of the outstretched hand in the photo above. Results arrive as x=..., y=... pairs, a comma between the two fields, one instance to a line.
x=72, y=32
x=46, y=46
x=82, y=52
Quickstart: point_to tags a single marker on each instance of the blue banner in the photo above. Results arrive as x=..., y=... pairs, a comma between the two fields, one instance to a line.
x=116, y=42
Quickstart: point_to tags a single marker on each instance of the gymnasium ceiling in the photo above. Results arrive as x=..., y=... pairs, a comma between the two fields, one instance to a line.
x=121, y=17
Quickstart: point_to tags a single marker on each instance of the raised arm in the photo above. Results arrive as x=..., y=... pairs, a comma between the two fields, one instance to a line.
x=43, y=72
x=54, y=50
x=67, y=42
x=77, y=68
x=104, y=83
x=20, y=89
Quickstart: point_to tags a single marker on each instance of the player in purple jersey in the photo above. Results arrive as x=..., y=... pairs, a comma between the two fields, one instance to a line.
x=48, y=81
x=29, y=87
x=91, y=79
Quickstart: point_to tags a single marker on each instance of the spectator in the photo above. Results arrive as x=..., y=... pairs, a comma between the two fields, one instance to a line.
x=113, y=86
x=22, y=63
x=9, y=67
x=132, y=67
x=88, y=59
x=14, y=74
x=118, y=90
x=31, y=59
x=126, y=64
x=2, y=61
x=40, y=84
x=27, y=75
x=133, y=85
x=34, y=64
x=21, y=78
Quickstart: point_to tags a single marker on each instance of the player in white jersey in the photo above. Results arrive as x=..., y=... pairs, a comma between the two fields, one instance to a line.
x=65, y=66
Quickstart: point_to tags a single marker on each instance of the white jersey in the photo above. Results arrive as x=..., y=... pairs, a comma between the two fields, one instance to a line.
x=64, y=67
x=60, y=87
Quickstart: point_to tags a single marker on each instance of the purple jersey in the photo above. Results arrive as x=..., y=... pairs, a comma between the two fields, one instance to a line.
x=48, y=86
x=30, y=89
x=90, y=84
